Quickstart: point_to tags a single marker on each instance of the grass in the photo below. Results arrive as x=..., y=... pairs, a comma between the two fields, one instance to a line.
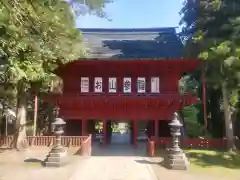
x=214, y=163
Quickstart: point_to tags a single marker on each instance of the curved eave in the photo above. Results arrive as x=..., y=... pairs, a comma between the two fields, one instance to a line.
x=129, y=30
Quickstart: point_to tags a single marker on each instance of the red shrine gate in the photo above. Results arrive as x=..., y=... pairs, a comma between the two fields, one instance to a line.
x=122, y=89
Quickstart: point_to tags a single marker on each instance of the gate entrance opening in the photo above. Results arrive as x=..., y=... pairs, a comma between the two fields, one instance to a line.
x=119, y=132
x=105, y=90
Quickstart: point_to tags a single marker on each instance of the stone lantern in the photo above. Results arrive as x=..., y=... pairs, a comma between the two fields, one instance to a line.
x=175, y=158
x=57, y=155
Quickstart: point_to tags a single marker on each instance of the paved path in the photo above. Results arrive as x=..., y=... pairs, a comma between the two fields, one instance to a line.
x=116, y=162
x=118, y=138
x=114, y=168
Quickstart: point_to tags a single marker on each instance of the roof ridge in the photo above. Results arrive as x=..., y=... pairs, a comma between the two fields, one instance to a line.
x=128, y=30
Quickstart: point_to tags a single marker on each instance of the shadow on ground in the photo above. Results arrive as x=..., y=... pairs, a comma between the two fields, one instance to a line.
x=2, y=149
x=214, y=158
x=119, y=150
x=158, y=159
x=34, y=161
x=147, y=162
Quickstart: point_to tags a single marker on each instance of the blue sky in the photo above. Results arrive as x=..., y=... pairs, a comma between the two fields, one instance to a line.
x=136, y=14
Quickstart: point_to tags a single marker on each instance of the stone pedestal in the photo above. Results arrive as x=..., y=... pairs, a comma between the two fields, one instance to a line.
x=56, y=159
x=176, y=161
x=175, y=158
x=58, y=155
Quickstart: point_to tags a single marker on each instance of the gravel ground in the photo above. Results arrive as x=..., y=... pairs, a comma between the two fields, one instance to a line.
x=13, y=167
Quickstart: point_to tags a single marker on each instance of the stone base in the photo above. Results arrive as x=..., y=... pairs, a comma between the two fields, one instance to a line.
x=176, y=161
x=56, y=159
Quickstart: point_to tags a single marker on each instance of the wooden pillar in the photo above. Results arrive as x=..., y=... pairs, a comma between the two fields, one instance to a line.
x=83, y=127
x=131, y=131
x=109, y=131
x=104, y=132
x=135, y=132
x=156, y=128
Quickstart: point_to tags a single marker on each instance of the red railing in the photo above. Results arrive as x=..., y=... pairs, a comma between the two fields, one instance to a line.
x=186, y=143
x=193, y=143
x=86, y=148
x=6, y=140
x=67, y=141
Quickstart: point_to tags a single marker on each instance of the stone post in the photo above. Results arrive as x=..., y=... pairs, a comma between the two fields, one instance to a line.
x=57, y=155
x=175, y=158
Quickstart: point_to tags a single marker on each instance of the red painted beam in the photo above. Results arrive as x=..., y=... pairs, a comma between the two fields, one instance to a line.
x=103, y=100
x=145, y=67
x=121, y=106
x=116, y=114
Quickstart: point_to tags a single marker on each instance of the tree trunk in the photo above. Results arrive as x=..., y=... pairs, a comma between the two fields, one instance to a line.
x=216, y=120
x=20, y=141
x=228, y=118
x=35, y=114
x=237, y=119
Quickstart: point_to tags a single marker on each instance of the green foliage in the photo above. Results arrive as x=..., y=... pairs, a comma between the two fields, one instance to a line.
x=99, y=125
x=215, y=34
x=188, y=84
x=192, y=125
x=211, y=31
x=35, y=37
x=95, y=7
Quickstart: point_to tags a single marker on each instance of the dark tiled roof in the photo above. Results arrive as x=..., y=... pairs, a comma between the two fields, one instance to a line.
x=133, y=43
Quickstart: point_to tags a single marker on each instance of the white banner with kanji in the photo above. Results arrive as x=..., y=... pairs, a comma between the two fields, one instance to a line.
x=98, y=84
x=155, y=87
x=127, y=85
x=141, y=85
x=84, y=84
x=112, y=85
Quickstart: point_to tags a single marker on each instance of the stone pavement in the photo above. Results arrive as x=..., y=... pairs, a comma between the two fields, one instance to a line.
x=116, y=162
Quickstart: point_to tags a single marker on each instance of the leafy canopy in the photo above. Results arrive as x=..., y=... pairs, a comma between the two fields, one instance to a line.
x=95, y=7
x=212, y=28
x=35, y=37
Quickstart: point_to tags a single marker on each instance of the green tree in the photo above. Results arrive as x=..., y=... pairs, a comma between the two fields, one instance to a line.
x=211, y=28
x=95, y=7
x=35, y=37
